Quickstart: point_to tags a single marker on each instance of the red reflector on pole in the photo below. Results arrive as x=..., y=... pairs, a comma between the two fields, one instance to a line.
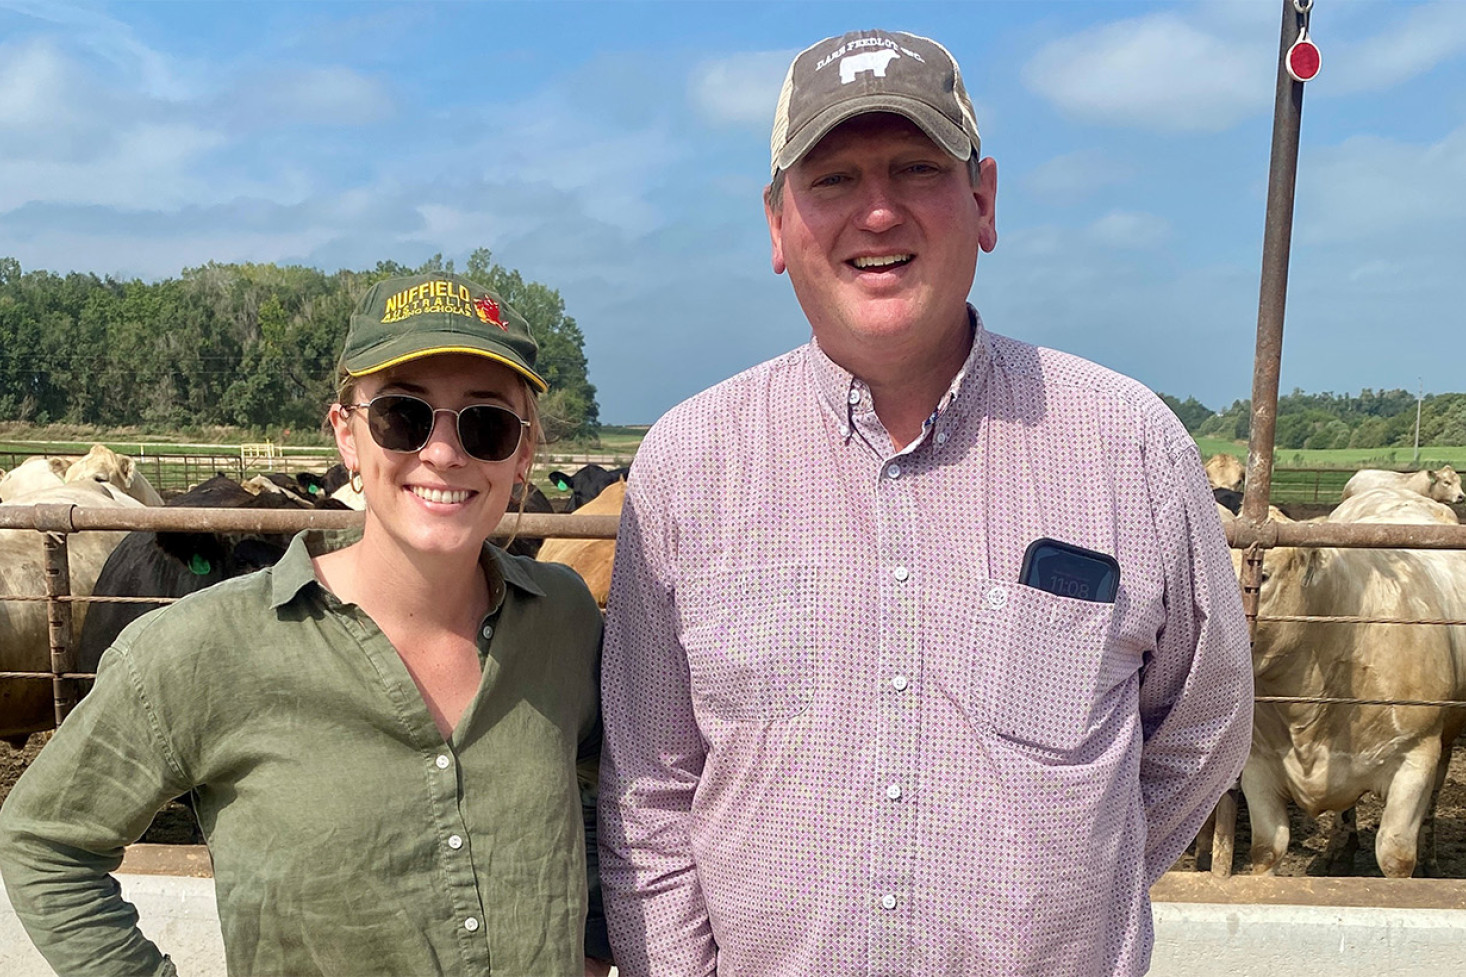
x=1303, y=60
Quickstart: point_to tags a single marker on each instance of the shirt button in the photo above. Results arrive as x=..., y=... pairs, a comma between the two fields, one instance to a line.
x=471, y=923
x=888, y=901
x=901, y=573
x=997, y=598
x=894, y=792
x=844, y=430
x=894, y=471
x=899, y=683
x=853, y=397
x=442, y=761
x=941, y=437
x=488, y=631
x=455, y=842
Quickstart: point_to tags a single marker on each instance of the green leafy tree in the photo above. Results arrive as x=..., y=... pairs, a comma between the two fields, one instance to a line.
x=1192, y=412
x=247, y=344
x=570, y=408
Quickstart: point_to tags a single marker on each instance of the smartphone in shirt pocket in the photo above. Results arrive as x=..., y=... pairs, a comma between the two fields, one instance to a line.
x=1072, y=571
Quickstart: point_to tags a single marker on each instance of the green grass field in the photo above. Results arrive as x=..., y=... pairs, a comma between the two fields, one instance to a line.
x=1353, y=459
x=1318, y=476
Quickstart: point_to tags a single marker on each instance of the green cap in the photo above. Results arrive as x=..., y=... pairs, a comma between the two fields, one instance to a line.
x=407, y=318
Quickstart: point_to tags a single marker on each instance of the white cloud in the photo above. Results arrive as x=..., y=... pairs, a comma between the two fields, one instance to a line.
x=1129, y=230
x=1155, y=72
x=86, y=27
x=328, y=95
x=740, y=89
x=32, y=79
x=1414, y=40
x=1077, y=174
x=1369, y=187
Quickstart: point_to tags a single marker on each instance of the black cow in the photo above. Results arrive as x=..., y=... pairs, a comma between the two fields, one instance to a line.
x=335, y=477
x=1228, y=499
x=173, y=564
x=587, y=483
x=535, y=502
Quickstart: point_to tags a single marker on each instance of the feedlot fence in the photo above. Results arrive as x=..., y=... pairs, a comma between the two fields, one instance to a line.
x=175, y=471
x=55, y=522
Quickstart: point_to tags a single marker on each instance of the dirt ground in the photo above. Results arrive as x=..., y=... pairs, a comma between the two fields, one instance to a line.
x=175, y=824
x=1308, y=838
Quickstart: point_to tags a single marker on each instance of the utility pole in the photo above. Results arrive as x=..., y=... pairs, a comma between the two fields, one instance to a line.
x=1419, y=397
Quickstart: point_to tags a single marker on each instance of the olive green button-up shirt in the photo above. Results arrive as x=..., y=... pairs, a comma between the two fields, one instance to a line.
x=347, y=837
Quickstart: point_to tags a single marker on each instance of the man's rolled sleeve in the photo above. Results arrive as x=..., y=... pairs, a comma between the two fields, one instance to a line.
x=653, y=758
x=1196, y=696
x=92, y=791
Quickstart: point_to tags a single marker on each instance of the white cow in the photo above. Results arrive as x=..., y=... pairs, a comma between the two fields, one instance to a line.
x=1324, y=757
x=26, y=704
x=1442, y=484
x=102, y=464
x=350, y=497
x=34, y=474
x=1224, y=471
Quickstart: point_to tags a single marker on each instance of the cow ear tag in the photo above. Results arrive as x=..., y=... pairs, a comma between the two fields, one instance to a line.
x=562, y=485
x=199, y=564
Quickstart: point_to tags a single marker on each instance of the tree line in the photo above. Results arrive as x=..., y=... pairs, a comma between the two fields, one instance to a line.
x=247, y=345
x=1372, y=419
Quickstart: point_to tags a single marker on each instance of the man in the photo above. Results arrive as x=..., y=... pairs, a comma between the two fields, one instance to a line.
x=844, y=734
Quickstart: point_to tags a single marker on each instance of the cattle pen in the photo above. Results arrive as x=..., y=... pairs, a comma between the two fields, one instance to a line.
x=1208, y=921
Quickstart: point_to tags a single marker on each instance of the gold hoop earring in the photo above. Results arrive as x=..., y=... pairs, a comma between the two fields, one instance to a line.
x=355, y=482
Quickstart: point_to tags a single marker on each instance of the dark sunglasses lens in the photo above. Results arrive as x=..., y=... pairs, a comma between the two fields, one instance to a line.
x=489, y=433
x=400, y=423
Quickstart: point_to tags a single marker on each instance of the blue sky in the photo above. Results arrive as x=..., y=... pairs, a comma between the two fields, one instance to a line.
x=617, y=151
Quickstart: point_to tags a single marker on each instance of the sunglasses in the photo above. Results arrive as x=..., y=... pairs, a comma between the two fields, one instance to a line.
x=399, y=422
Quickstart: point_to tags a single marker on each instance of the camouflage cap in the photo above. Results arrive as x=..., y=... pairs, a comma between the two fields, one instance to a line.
x=407, y=318
x=872, y=71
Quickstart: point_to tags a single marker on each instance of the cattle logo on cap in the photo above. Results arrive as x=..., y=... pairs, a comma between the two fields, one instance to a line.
x=488, y=311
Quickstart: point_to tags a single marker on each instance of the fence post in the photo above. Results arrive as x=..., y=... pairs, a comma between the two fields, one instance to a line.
x=58, y=622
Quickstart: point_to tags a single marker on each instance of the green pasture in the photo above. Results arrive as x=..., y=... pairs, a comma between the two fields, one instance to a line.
x=1352, y=459
x=1318, y=475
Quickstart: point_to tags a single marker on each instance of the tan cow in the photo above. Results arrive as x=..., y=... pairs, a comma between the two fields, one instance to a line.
x=1442, y=484
x=34, y=474
x=1225, y=471
x=26, y=704
x=591, y=558
x=1324, y=757
x=102, y=464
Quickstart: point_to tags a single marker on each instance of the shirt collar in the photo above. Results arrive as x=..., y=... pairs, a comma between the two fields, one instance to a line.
x=294, y=572
x=847, y=396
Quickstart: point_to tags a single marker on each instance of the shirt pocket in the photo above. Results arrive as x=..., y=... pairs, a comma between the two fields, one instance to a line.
x=748, y=634
x=1037, y=665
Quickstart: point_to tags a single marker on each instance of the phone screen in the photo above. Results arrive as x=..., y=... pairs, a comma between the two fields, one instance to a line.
x=1070, y=571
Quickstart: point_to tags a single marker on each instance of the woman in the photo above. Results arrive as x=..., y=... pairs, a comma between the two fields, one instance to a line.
x=381, y=732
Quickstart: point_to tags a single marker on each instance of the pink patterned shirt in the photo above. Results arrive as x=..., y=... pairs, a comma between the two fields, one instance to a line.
x=842, y=739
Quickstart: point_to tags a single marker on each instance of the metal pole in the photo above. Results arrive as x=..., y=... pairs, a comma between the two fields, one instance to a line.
x=1267, y=361
x=1273, y=295
x=1419, y=398
x=58, y=622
